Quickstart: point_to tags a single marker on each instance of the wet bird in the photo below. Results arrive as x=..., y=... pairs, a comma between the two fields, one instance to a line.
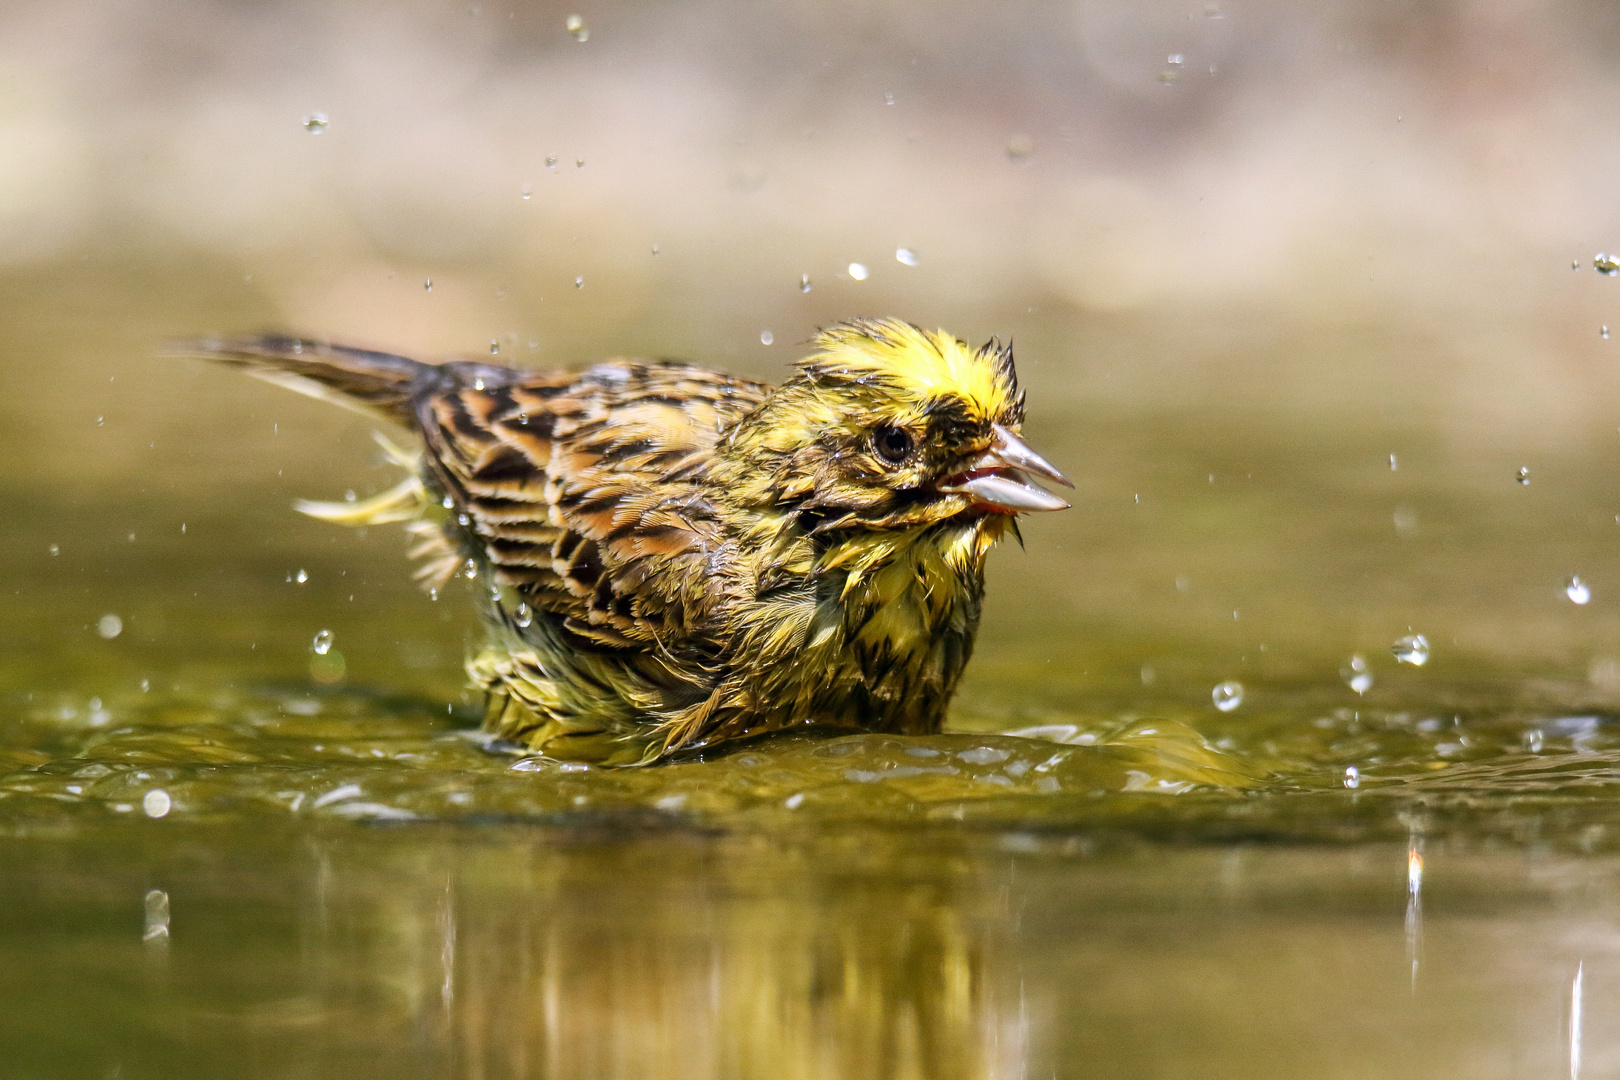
x=670, y=558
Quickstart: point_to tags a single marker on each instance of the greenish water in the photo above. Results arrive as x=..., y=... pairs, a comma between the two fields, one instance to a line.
x=225, y=853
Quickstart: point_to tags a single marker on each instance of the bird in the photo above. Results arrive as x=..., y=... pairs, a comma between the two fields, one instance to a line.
x=670, y=559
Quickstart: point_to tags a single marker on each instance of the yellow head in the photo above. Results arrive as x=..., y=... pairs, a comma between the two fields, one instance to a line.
x=888, y=426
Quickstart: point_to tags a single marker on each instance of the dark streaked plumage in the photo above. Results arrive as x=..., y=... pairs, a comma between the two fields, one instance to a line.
x=670, y=557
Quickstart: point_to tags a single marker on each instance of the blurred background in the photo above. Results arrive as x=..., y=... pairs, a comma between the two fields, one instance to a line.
x=1301, y=294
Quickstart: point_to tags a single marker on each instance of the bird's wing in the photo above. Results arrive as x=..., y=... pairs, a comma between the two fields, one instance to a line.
x=584, y=489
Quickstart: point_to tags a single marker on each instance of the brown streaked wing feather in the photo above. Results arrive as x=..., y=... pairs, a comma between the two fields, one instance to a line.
x=582, y=487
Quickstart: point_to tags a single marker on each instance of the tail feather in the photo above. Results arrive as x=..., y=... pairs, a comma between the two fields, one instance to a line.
x=373, y=382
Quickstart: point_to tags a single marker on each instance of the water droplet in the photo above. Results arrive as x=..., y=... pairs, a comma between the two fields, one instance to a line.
x=55, y=549
x=100, y=420
x=577, y=28
x=109, y=626
x=1174, y=58
x=888, y=99
x=156, y=902
x=1603, y=332
x=1606, y=264
x=428, y=284
x=1352, y=777
x=905, y=256
x=1578, y=591
x=804, y=282
x=1523, y=475
x=146, y=686
x=157, y=803
x=463, y=520
x=1532, y=740
x=551, y=161
x=315, y=123
x=1356, y=675
x=301, y=577
x=433, y=594
x=579, y=163
x=1020, y=148
x=523, y=616
x=857, y=271
x=655, y=249
x=1393, y=464
x=1227, y=695
x=766, y=337
x=348, y=496
x=447, y=502
x=469, y=569
x=579, y=283
x=494, y=349
x=527, y=191
x=1412, y=649
x=793, y=802
x=322, y=643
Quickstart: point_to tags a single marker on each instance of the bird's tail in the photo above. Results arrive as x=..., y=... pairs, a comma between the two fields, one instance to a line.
x=375, y=383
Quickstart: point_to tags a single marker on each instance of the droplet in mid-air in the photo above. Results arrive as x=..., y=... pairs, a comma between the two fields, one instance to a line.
x=1352, y=777
x=905, y=256
x=804, y=282
x=315, y=123
x=766, y=337
x=322, y=643
x=577, y=28
x=427, y=285
x=527, y=191
x=551, y=161
x=301, y=577
x=857, y=271
x=1523, y=475
x=157, y=803
x=1578, y=591
x=1532, y=740
x=55, y=549
x=1606, y=264
x=1412, y=649
x=524, y=615
x=469, y=569
x=1603, y=332
x=1020, y=147
x=157, y=906
x=109, y=626
x=579, y=283
x=1227, y=695
x=494, y=348
x=1356, y=675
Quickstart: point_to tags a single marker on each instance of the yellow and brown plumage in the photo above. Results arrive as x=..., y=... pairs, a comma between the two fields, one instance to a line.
x=671, y=558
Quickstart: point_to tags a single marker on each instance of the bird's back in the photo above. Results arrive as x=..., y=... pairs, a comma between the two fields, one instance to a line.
x=579, y=492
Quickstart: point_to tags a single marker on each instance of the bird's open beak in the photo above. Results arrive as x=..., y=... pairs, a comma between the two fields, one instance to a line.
x=999, y=479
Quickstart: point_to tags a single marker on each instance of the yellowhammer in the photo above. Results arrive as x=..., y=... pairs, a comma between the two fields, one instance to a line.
x=670, y=558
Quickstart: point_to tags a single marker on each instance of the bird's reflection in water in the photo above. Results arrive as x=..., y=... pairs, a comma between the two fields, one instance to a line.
x=633, y=960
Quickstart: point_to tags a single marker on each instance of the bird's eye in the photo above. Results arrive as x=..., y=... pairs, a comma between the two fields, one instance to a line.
x=891, y=443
